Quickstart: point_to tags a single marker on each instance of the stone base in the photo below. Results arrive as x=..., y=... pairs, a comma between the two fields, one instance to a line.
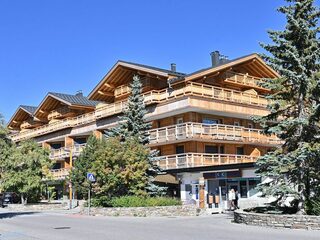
x=278, y=221
x=167, y=211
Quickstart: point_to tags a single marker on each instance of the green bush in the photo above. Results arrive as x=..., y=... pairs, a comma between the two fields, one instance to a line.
x=136, y=201
x=103, y=201
x=313, y=207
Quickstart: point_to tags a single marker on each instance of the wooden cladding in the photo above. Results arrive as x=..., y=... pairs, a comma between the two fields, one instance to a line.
x=243, y=79
x=191, y=160
x=205, y=132
x=190, y=89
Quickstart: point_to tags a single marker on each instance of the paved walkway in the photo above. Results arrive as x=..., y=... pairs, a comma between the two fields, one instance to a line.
x=56, y=226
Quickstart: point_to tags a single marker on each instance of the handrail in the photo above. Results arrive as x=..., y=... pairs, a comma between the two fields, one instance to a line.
x=64, y=152
x=190, y=160
x=210, y=131
x=59, y=174
x=243, y=79
x=153, y=96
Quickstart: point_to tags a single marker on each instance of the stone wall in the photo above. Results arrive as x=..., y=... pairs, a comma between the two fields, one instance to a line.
x=279, y=221
x=167, y=211
x=36, y=207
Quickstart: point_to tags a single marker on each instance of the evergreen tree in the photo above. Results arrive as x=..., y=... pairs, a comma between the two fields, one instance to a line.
x=132, y=123
x=294, y=106
x=24, y=169
x=83, y=165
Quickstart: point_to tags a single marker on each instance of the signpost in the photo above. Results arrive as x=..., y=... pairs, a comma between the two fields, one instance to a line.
x=91, y=179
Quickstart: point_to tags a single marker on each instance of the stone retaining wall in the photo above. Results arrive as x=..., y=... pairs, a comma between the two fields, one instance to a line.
x=279, y=221
x=167, y=211
x=36, y=207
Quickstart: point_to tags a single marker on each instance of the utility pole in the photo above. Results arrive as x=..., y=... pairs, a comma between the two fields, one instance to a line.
x=70, y=183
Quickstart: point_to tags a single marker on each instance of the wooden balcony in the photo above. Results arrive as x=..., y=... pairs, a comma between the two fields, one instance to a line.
x=59, y=174
x=65, y=152
x=61, y=112
x=210, y=132
x=243, y=79
x=191, y=160
x=154, y=96
x=29, y=124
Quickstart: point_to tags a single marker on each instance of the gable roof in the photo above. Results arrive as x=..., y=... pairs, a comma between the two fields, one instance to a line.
x=134, y=66
x=77, y=99
x=52, y=99
x=229, y=64
x=154, y=68
x=28, y=109
x=22, y=113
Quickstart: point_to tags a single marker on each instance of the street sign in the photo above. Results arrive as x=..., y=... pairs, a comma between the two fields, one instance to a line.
x=91, y=177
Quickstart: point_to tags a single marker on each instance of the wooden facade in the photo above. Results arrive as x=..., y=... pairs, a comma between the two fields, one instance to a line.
x=201, y=119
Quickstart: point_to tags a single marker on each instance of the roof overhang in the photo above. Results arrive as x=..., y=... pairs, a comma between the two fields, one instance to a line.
x=119, y=74
x=20, y=115
x=51, y=102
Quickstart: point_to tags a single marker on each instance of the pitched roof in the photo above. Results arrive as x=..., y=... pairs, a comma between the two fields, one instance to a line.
x=225, y=65
x=154, y=68
x=28, y=109
x=22, y=112
x=77, y=99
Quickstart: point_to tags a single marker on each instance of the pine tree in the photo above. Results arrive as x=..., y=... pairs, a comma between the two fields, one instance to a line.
x=294, y=106
x=132, y=123
x=83, y=165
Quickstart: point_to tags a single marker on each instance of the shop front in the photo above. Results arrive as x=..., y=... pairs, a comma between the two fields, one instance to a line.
x=217, y=185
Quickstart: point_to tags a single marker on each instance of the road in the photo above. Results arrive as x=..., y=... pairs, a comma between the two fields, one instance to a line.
x=56, y=226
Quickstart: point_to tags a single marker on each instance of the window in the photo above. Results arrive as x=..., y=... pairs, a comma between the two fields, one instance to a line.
x=221, y=149
x=211, y=149
x=179, y=149
x=211, y=121
x=240, y=151
x=250, y=125
x=79, y=141
x=56, y=145
x=56, y=165
x=179, y=120
x=236, y=123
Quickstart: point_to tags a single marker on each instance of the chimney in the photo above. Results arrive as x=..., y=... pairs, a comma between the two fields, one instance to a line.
x=215, y=58
x=79, y=93
x=173, y=67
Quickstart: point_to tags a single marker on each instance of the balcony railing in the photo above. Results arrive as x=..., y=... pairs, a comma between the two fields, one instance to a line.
x=65, y=152
x=59, y=113
x=243, y=79
x=210, y=132
x=191, y=160
x=59, y=174
x=154, y=96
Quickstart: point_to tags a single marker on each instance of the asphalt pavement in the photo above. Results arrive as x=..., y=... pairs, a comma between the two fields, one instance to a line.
x=64, y=226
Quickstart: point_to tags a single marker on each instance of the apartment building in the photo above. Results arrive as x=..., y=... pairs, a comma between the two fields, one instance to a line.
x=201, y=124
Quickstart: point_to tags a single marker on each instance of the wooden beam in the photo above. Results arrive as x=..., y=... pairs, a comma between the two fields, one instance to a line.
x=108, y=94
x=109, y=85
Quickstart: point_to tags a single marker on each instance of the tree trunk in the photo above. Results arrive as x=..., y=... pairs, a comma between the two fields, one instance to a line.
x=23, y=199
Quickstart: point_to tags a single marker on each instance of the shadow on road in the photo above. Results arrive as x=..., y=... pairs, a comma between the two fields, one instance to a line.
x=14, y=214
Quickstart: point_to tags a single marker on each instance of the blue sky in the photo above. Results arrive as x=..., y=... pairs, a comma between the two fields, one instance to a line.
x=68, y=45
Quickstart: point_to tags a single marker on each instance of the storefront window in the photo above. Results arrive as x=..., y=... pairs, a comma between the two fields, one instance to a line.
x=243, y=188
x=252, y=186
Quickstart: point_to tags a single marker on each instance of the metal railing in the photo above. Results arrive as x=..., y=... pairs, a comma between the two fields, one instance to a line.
x=210, y=132
x=190, y=160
